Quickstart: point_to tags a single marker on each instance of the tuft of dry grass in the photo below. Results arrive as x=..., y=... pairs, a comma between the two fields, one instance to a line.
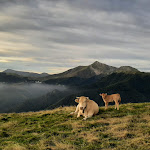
x=15, y=147
x=9, y=124
x=62, y=146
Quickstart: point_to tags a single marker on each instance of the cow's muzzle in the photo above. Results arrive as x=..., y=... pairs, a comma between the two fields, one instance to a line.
x=81, y=108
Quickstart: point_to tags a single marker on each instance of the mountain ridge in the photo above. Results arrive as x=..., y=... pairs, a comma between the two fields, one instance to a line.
x=25, y=74
x=92, y=70
x=89, y=71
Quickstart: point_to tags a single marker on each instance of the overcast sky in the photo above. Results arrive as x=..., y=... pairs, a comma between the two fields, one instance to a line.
x=55, y=35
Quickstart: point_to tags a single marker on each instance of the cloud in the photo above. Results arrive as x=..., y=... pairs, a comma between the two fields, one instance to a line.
x=55, y=35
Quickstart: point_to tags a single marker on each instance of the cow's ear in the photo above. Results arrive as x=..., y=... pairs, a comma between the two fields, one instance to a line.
x=87, y=98
x=100, y=94
x=77, y=99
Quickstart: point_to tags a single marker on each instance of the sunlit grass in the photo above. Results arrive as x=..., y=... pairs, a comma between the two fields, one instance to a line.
x=57, y=130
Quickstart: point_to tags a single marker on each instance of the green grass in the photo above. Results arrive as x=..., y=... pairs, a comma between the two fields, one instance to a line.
x=126, y=129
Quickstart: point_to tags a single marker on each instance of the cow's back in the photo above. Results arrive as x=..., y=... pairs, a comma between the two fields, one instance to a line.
x=113, y=97
x=92, y=107
x=116, y=96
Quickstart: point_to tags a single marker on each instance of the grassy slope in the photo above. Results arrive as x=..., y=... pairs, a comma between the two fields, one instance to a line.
x=126, y=129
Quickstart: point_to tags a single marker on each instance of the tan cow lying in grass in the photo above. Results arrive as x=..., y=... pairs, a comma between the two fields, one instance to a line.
x=110, y=98
x=86, y=107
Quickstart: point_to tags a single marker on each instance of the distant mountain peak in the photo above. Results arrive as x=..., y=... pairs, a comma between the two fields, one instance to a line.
x=25, y=74
x=127, y=69
x=7, y=70
x=98, y=63
x=101, y=68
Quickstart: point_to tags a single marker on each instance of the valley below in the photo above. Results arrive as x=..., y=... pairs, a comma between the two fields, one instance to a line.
x=13, y=95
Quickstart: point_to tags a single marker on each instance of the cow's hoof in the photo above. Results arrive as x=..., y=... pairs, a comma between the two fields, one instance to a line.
x=71, y=113
x=84, y=119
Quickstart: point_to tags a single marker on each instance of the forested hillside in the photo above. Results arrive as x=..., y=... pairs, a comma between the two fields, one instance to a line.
x=132, y=88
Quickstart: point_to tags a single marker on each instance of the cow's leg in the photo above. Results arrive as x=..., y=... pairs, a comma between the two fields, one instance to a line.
x=88, y=116
x=117, y=104
x=79, y=114
x=106, y=105
x=76, y=111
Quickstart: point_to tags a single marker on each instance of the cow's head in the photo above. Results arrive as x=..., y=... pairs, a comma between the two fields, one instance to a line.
x=82, y=102
x=103, y=95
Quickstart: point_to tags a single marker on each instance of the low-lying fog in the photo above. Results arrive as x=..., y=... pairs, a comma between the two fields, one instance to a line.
x=13, y=94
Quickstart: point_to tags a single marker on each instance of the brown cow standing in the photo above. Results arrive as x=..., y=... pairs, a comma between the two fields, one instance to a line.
x=110, y=98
